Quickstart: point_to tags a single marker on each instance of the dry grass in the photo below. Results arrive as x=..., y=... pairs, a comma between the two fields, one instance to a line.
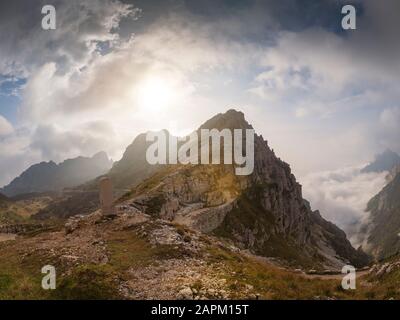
x=20, y=274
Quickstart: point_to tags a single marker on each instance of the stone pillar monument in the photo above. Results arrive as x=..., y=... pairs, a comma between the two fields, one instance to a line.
x=106, y=197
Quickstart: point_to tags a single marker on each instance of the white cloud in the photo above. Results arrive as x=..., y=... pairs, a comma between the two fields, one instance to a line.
x=80, y=26
x=15, y=155
x=390, y=118
x=342, y=196
x=6, y=127
x=318, y=73
x=54, y=144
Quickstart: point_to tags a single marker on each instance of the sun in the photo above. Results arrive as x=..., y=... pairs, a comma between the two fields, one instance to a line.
x=154, y=95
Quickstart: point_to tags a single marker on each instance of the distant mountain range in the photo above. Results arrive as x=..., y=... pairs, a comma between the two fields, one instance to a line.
x=126, y=173
x=385, y=161
x=49, y=176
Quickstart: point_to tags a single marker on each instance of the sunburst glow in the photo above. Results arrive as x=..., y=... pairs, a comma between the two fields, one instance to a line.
x=154, y=94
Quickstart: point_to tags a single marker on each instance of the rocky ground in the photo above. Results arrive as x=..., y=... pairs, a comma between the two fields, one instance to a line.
x=132, y=256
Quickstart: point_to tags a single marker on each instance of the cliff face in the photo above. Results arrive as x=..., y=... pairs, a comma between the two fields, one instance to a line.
x=49, y=176
x=264, y=212
x=393, y=173
x=383, y=227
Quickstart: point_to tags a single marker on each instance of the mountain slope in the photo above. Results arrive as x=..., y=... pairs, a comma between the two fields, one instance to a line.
x=16, y=211
x=133, y=166
x=49, y=176
x=383, y=227
x=264, y=212
x=393, y=173
x=135, y=257
x=4, y=201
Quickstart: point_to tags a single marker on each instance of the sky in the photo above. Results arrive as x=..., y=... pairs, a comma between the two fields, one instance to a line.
x=325, y=98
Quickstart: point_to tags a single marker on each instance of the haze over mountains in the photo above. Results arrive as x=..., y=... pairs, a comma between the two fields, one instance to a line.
x=383, y=227
x=381, y=231
x=52, y=177
x=342, y=194
x=129, y=171
x=384, y=161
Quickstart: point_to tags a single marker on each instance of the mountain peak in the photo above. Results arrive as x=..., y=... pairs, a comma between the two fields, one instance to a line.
x=231, y=119
x=388, y=153
x=384, y=161
x=263, y=212
x=101, y=157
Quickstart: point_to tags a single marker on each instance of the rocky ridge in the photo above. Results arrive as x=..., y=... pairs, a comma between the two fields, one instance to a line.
x=264, y=212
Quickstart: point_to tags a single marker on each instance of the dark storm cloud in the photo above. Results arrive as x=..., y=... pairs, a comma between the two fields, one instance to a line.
x=245, y=20
x=80, y=25
x=291, y=14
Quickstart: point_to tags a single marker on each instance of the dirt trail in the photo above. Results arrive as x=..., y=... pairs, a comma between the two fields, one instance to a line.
x=7, y=236
x=337, y=276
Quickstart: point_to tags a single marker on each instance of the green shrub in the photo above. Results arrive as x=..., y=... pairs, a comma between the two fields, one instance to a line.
x=88, y=282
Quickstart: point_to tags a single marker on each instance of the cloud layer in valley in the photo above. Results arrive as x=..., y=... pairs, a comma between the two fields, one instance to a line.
x=342, y=196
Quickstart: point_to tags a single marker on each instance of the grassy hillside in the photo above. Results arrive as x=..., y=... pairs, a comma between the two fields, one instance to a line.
x=21, y=211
